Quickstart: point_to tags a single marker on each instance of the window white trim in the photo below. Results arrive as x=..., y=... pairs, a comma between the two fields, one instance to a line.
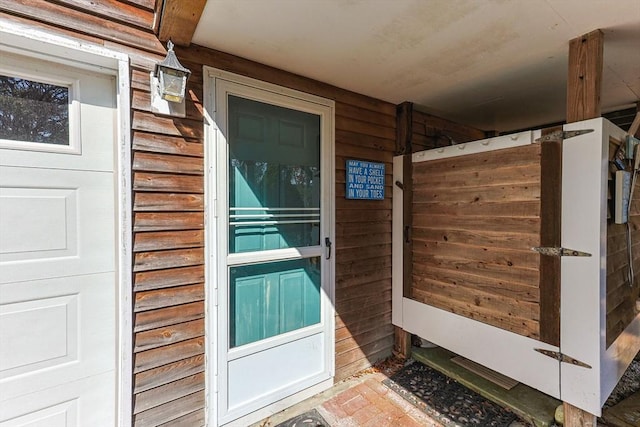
x=74, y=145
x=28, y=41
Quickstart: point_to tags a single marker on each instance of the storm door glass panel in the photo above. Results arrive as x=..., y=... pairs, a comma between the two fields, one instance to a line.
x=274, y=203
x=274, y=177
x=32, y=111
x=269, y=299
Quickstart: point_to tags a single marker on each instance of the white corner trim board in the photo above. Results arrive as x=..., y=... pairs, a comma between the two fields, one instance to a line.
x=397, y=276
x=475, y=147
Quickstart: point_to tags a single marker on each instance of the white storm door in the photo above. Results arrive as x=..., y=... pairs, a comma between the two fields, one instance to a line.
x=57, y=245
x=274, y=204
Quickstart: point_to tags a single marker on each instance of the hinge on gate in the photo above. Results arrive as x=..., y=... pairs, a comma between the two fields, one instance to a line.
x=562, y=357
x=559, y=135
x=554, y=251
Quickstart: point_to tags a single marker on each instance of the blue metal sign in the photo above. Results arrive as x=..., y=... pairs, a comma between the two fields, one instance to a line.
x=365, y=180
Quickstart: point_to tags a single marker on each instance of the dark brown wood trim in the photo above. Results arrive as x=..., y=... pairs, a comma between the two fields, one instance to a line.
x=179, y=20
x=404, y=128
x=550, y=228
x=584, y=81
x=402, y=343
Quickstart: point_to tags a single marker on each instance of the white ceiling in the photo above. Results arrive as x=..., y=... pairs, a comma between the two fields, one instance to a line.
x=495, y=64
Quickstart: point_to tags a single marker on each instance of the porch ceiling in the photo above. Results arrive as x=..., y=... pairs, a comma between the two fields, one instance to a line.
x=495, y=64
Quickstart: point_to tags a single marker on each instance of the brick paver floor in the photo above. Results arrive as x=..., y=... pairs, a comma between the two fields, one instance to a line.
x=371, y=404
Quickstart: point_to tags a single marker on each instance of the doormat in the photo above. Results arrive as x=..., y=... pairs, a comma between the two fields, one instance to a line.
x=448, y=401
x=311, y=418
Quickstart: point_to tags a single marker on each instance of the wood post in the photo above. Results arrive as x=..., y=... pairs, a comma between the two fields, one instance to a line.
x=404, y=133
x=574, y=417
x=402, y=343
x=634, y=129
x=584, y=84
x=404, y=128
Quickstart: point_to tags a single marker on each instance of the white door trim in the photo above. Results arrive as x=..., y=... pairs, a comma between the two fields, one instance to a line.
x=28, y=41
x=214, y=205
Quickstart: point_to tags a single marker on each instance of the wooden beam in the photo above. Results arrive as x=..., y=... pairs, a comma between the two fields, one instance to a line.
x=634, y=129
x=574, y=417
x=585, y=76
x=583, y=102
x=179, y=20
x=402, y=343
x=404, y=128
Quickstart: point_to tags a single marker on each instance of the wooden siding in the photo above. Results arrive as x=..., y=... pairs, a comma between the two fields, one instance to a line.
x=365, y=129
x=429, y=131
x=621, y=298
x=475, y=220
x=168, y=209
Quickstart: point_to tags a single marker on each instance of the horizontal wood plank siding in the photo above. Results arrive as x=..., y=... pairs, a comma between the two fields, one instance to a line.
x=101, y=25
x=169, y=208
x=475, y=220
x=621, y=296
x=429, y=131
x=365, y=129
x=116, y=10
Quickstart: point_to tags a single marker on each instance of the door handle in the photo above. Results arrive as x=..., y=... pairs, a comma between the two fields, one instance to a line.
x=327, y=244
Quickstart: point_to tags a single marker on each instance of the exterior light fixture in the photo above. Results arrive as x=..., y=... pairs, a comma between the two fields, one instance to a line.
x=169, y=85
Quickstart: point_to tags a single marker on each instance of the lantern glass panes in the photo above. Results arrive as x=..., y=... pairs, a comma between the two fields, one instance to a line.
x=172, y=84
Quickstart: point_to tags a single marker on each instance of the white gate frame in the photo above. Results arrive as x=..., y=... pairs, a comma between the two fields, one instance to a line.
x=472, y=339
x=585, y=167
x=583, y=297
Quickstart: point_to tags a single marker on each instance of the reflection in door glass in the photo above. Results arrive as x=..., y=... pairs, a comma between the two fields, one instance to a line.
x=274, y=177
x=272, y=298
x=33, y=111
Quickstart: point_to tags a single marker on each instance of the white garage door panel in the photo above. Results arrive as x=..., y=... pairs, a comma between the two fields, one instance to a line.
x=62, y=415
x=55, y=330
x=58, y=285
x=55, y=223
x=38, y=222
x=96, y=120
x=82, y=403
x=38, y=334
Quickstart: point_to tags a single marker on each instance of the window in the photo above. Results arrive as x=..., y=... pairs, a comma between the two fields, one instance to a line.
x=33, y=111
x=37, y=112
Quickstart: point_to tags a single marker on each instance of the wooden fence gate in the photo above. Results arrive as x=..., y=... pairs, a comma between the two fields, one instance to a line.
x=469, y=222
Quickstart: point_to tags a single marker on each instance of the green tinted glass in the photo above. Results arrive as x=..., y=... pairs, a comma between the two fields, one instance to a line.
x=274, y=177
x=272, y=298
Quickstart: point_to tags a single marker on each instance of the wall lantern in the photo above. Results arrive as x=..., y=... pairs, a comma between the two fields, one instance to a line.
x=169, y=85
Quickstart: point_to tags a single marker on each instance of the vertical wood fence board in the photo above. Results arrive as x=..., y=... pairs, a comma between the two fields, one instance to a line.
x=550, y=236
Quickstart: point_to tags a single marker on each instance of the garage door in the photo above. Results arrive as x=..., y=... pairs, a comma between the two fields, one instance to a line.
x=57, y=245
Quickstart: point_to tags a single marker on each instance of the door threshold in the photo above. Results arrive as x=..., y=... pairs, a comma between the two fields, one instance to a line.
x=279, y=406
